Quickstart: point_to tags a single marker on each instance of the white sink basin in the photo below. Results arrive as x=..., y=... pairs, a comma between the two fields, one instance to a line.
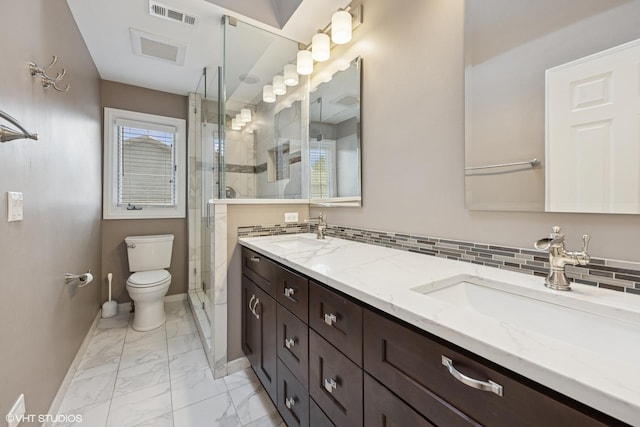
x=544, y=312
x=301, y=242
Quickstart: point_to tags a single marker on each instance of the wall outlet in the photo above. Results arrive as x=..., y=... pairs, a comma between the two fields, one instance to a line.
x=291, y=217
x=14, y=417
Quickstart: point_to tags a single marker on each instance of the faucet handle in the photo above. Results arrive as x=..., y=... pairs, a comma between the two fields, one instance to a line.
x=556, y=229
x=585, y=242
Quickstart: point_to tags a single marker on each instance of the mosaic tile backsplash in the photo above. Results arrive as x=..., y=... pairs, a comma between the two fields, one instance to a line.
x=619, y=276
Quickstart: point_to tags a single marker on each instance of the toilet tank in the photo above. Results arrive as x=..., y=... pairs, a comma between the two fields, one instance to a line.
x=149, y=252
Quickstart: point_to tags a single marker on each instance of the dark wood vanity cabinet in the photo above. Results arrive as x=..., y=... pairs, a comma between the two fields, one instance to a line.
x=326, y=359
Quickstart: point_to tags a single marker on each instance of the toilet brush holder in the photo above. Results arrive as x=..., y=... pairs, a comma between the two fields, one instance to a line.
x=109, y=308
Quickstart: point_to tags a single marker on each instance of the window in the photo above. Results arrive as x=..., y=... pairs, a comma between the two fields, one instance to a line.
x=145, y=162
x=322, y=158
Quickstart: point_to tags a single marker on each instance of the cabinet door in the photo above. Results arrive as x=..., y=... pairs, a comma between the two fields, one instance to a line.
x=383, y=408
x=317, y=418
x=259, y=334
x=335, y=382
x=337, y=319
x=293, y=344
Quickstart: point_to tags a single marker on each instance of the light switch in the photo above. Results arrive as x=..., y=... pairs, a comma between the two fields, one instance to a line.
x=14, y=206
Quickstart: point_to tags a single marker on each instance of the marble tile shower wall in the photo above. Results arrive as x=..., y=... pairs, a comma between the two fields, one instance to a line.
x=615, y=275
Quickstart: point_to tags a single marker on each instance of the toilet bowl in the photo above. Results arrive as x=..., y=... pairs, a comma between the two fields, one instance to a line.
x=149, y=283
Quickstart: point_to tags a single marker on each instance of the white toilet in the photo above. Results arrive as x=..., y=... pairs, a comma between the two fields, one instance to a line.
x=149, y=283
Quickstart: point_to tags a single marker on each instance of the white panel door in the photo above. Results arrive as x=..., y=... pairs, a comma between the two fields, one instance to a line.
x=593, y=133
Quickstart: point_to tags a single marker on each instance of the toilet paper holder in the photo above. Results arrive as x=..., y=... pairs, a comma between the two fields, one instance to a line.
x=84, y=278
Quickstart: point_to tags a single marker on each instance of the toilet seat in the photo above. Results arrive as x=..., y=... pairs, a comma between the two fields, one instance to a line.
x=147, y=279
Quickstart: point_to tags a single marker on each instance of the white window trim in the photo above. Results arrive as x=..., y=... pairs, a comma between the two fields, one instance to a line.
x=110, y=208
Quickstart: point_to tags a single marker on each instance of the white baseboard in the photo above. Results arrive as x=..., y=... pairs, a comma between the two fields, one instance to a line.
x=66, y=382
x=237, y=365
x=175, y=298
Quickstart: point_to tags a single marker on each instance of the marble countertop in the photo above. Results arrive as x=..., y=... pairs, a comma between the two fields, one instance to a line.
x=383, y=278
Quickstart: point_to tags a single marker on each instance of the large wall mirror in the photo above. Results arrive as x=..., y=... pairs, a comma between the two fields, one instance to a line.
x=334, y=139
x=552, y=105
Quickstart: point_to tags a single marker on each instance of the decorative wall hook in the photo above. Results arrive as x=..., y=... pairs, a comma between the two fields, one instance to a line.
x=47, y=80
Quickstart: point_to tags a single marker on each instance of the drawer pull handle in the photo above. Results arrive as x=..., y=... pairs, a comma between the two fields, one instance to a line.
x=289, y=292
x=289, y=342
x=290, y=402
x=253, y=297
x=330, y=385
x=253, y=309
x=254, y=259
x=330, y=319
x=471, y=382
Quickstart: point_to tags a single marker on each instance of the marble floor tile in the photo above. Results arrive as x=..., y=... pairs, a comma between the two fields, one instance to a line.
x=251, y=403
x=182, y=327
x=241, y=378
x=136, y=354
x=93, y=415
x=92, y=366
x=120, y=320
x=141, y=376
x=177, y=311
x=183, y=363
x=216, y=411
x=194, y=387
x=106, y=341
x=271, y=420
x=183, y=343
x=165, y=420
x=140, y=406
x=87, y=391
x=137, y=337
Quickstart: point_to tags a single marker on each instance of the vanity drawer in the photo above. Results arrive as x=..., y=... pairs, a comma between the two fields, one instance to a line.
x=293, y=344
x=260, y=269
x=383, y=408
x=335, y=382
x=337, y=319
x=412, y=366
x=293, y=292
x=317, y=418
x=293, y=398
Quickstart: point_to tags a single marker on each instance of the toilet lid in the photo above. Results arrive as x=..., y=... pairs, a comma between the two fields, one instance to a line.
x=148, y=278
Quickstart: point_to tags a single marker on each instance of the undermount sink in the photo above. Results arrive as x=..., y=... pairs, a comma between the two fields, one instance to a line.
x=586, y=324
x=301, y=242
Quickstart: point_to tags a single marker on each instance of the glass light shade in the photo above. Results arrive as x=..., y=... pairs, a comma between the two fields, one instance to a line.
x=290, y=75
x=279, y=88
x=304, y=63
x=267, y=94
x=239, y=120
x=245, y=114
x=320, y=47
x=235, y=125
x=341, y=27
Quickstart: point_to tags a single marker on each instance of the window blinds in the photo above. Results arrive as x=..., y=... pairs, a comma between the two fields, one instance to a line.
x=146, y=165
x=321, y=159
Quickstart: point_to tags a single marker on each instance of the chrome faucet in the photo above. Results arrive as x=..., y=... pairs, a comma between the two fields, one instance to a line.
x=559, y=257
x=321, y=220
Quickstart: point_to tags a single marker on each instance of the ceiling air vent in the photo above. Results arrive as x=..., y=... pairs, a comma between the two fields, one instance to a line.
x=166, y=12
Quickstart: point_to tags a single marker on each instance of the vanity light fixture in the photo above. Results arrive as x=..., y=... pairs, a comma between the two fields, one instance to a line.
x=290, y=75
x=245, y=115
x=341, y=27
x=304, y=63
x=235, y=125
x=239, y=120
x=267, y=94
x=279, y=88
x=320, y=47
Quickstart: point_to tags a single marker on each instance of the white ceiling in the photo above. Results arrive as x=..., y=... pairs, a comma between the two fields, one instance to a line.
x=105, y=26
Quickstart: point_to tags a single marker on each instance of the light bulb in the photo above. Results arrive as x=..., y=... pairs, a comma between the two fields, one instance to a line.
x=267, y=94
x=320, y=47
x=279, y=88
x=341, y=27
x=305, y=63
x=245, y=113
x=290, y=75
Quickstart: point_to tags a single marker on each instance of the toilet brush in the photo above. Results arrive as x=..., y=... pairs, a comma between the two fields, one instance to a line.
x=109, y=308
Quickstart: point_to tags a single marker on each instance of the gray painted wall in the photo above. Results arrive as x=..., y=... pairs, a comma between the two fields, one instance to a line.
x=43, y=321
x=413, y=139
x=114, y=251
